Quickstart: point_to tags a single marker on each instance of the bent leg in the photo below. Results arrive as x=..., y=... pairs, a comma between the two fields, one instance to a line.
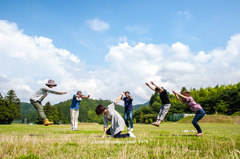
x=119, y=135
x=199, y=115
x=165, y=108
x=39, y=108
x=108, y=132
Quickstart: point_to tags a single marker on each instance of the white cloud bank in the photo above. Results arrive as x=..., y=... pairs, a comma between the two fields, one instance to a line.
x=27, y=62
x=98, y=25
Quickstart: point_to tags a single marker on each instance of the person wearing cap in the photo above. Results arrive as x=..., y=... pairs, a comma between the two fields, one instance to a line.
x=128, y=110
x=165, y=103
x=38, y=97
x=74, y=110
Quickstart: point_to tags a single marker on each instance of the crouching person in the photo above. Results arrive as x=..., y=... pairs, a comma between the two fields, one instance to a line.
x=117, y=122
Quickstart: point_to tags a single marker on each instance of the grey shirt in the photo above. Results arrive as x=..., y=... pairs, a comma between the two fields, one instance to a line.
x=117, y=122
x=42, y=93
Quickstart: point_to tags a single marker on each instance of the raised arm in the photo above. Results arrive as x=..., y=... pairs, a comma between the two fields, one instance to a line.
x=160, y=88
x=150, y=86
x=121, y=95
x=178, y=94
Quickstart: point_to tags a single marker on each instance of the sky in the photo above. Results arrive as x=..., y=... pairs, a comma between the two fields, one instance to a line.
x=105, y=47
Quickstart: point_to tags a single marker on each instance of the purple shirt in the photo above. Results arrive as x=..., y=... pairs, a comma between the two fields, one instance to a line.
x=192, y=104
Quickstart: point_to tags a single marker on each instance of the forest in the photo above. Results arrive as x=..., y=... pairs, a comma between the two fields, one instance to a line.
x=223, y=99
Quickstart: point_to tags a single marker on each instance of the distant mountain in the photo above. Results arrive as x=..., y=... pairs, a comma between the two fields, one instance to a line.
x=138, y=106
x=28, y=111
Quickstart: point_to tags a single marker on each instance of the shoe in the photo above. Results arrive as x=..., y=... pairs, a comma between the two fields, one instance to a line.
x=155, y=124
x=128, y=129
x=74, y=129
x=46, y=122
x=131, y=134
x=131, y=129
x=199, y=134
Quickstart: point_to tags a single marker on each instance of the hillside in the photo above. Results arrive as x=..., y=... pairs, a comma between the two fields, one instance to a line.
x=138, y=106
x=86, y=110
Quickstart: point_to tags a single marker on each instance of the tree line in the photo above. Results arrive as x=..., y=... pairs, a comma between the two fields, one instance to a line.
x=224, y=99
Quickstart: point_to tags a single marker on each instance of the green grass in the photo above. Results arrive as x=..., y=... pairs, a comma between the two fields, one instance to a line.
x=167, y=141
x=213, y=119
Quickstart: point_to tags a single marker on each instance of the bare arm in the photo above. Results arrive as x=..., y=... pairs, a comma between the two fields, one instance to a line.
x=160, y=88
x=177, y=94
x=85, y=96
x=150, y=86
x=117, y=100
x=104, y=131
x=131, y=97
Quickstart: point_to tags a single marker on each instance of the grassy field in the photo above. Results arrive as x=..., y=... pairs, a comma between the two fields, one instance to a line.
x=167, y=141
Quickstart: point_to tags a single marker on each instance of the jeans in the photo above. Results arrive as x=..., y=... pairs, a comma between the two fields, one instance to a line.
x=118, y=135
x=39, y=108
x=199, y=115
x=130, y=114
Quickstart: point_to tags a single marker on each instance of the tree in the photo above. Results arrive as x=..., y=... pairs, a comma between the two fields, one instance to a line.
x=221, y=107
x=51, y=112
x=141, y=116
x=184, y=89
x=10, y=108
x=60, y=113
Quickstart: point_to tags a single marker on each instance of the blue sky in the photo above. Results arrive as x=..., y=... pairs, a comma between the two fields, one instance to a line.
x=92, y=31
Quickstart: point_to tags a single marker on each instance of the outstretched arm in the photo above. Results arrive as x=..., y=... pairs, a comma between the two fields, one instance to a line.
x=117, y=100
x=160, y=88
x=150, y=86
x=85, y=96
x=177, y=94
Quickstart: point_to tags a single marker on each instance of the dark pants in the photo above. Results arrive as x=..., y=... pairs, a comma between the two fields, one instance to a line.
x=118, y=135
x=130, y=114
x=199, y=115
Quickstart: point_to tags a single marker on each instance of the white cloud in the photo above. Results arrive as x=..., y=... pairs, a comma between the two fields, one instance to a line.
x=136, y=28
x=29, y=62
x=98, y=25
x=186, y=14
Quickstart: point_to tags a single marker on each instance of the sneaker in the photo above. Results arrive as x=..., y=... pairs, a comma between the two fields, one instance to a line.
x=128, y=129
x=131, y=129
x=131, y=134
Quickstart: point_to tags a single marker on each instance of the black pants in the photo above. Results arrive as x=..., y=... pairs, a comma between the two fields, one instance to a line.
x=118, y=135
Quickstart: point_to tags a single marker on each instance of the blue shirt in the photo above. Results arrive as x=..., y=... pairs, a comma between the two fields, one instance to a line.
x=75, y=102
x=127, y=103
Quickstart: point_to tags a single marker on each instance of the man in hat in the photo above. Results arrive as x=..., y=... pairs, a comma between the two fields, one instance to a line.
x=128, y=111
x=74, y=109
x=38, y=97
